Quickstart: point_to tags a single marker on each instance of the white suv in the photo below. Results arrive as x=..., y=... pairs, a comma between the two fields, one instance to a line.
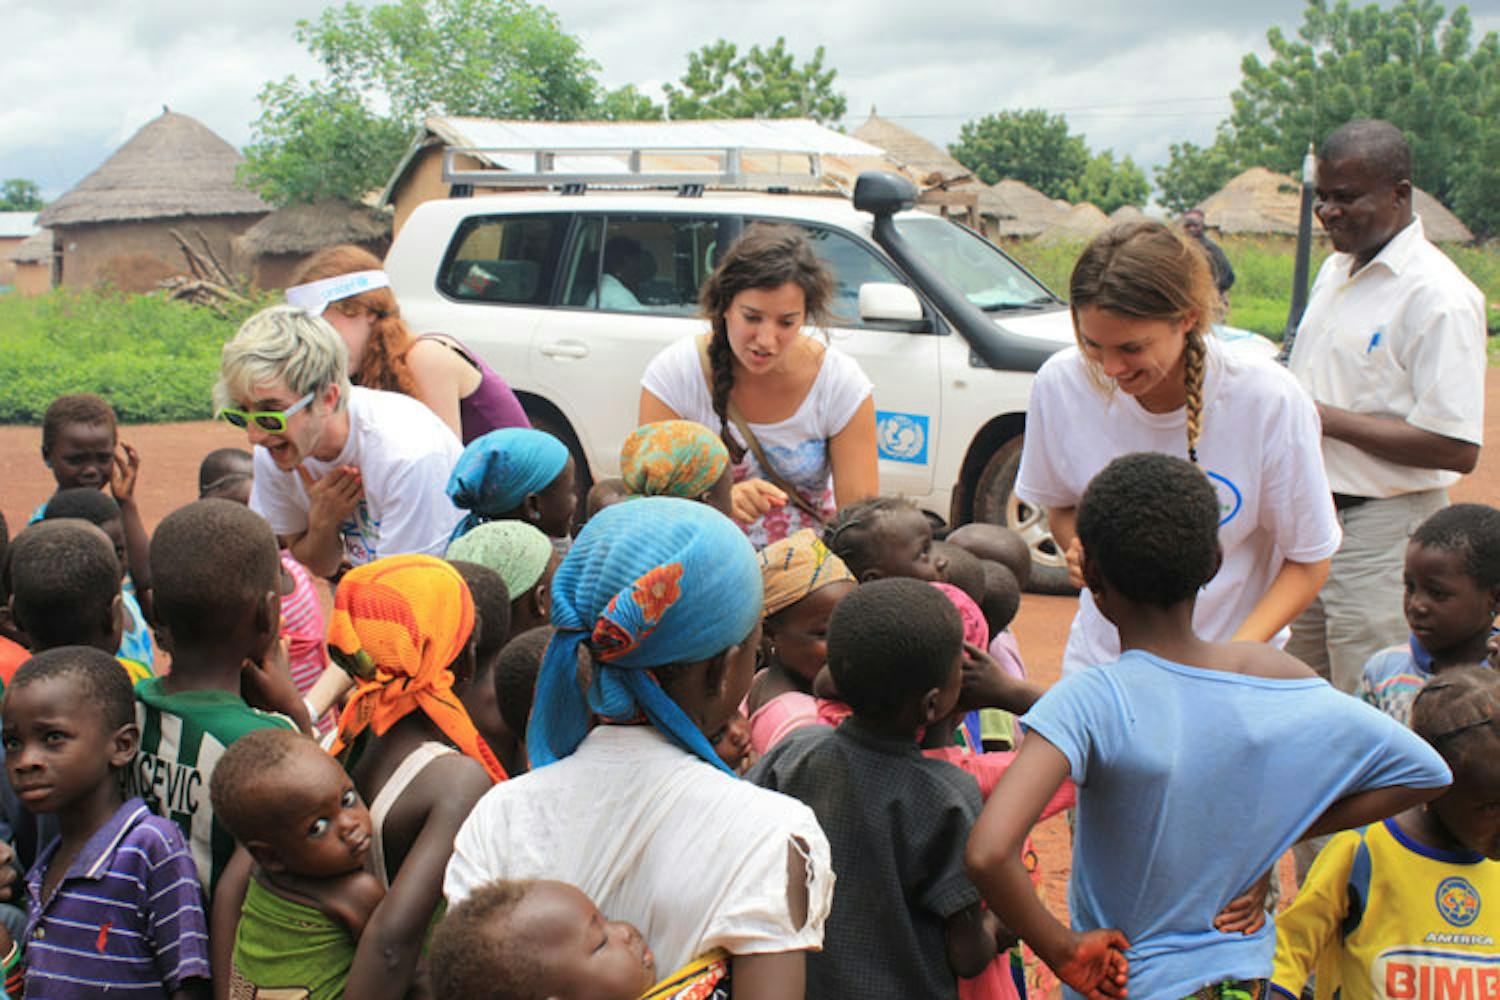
x=949, y=328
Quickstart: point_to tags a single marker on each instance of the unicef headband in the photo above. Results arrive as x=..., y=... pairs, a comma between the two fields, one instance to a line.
x=315, y=296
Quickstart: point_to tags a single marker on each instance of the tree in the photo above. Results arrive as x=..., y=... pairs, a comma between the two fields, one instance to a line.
x=1192, y=173
x=20, y=195
x=1109, y=184
x=628, y=104
x=315, y=142
x=1029, y=146
x=763, y=83
x=1404, y=63
x=1038, y=149
x=391, y=65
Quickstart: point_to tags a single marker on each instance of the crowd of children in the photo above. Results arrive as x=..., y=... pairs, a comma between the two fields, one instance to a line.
x=640, y=759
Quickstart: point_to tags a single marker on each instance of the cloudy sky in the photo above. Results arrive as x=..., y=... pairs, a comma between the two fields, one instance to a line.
x=80, y=76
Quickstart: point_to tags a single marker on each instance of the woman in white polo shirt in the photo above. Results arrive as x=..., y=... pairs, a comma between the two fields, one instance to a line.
x=1147, y=375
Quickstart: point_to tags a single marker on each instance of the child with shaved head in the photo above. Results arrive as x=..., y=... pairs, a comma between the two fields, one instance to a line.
x=292, y=807
x=218, y=606
x=114, y=906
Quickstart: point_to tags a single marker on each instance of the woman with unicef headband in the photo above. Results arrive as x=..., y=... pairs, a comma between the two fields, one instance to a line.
x=657, y=607
x=1149, y=375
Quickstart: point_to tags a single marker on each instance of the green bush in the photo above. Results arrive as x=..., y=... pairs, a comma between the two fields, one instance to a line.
x=152, y=358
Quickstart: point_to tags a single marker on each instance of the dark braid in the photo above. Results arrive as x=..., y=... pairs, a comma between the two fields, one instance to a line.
x=721, y=365
x=765, y=257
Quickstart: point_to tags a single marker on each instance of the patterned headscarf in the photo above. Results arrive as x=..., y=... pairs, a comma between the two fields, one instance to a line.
x=499, y=470
x=796, y=566
x=976, y=629
x=651, y=583
x=397, y=624
x=672, y=458
x=517, y=551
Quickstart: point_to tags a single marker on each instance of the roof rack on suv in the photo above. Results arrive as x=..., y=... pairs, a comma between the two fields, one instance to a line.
x=576, y=168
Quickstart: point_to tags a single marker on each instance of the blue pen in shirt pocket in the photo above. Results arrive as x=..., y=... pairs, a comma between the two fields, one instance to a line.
x=1375, y=339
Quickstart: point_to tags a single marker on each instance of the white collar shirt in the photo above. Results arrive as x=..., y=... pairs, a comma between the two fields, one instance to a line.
x=1401, y=337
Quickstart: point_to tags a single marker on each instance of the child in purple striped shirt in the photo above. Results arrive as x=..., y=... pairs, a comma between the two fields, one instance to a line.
x=113, y=903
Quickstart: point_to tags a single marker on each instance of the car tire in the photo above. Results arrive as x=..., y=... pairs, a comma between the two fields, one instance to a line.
x=995, y=502
x=544, y=420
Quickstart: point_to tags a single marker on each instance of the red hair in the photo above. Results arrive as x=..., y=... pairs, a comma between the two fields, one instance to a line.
x=384, y=363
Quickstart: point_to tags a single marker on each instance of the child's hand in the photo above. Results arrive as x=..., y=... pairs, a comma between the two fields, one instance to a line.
x=1095, y=964
x=1246, y=913
x=1074, y=556
x=983, y=679
x=124, y=473
x=268, y=685
x=332, y=499
x=9, y=873
x=755, y=497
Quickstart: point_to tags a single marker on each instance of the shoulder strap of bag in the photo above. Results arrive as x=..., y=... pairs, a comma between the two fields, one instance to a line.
x=753, y=443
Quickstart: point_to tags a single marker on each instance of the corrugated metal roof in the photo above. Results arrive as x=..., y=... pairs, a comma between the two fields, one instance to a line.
x=14, y=225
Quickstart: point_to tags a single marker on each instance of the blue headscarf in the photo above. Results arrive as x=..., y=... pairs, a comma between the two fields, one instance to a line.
x=651, y=583
x=498, y=470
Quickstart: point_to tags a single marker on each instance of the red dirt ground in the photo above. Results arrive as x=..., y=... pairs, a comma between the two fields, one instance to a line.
x=170, y=454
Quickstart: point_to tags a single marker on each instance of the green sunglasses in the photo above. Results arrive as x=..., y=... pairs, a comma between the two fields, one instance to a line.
x=270, y=421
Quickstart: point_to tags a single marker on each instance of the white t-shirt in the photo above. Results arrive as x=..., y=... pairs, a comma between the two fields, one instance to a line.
x=614, y=294
x=797, y=446
x=404, y=454
x=694, y=858
x=1402, y=337
x=1259, y=447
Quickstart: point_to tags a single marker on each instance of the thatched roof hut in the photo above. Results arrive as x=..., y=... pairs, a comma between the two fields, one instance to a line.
x=174, y=174
x=909, y=149
x=1440, y=225
x=1258, y=201
x=32, y=263
x=276, y=246
x=35, y=249
x=1018, y=209
x=1127, y=213
x=1083, y=221
x=174, y=166
x=1262, y=202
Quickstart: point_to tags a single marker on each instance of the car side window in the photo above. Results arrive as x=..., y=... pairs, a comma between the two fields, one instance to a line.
x=641, y=263
x=507, y=259
x=853, y=265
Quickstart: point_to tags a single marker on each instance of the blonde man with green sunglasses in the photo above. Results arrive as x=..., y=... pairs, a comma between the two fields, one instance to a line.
x=346, y=475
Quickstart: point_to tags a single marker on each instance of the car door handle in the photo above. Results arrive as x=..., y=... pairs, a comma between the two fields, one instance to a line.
x=565, y=349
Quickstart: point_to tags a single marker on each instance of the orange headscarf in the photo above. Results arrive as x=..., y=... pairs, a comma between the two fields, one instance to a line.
x=397, y=624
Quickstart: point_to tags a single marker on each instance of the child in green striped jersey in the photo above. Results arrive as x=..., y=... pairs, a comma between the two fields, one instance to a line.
x=217, y=574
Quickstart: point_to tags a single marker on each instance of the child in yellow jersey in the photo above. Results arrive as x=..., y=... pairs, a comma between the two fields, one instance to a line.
x=1411, y=907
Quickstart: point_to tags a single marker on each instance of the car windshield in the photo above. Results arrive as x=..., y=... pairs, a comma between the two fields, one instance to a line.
x=990, y=279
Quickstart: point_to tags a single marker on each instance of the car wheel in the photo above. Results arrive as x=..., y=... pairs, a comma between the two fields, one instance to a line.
x=544, y=420
x=995, y=502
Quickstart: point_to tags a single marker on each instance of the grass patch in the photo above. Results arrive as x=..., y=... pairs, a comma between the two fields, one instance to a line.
x=153, y=359
x=1263, y=268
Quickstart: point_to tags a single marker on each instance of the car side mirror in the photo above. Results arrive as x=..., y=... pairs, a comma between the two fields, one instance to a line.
x=889, y=302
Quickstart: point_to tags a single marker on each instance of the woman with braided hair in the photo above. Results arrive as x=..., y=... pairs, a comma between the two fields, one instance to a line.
x=807, y=405
x=1148, y=375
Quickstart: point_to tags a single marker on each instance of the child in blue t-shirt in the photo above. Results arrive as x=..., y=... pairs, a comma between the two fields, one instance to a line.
x=1452, y=593
x=1197, y=763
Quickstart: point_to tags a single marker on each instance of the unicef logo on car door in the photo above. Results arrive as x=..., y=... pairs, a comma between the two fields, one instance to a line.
x=901, y=437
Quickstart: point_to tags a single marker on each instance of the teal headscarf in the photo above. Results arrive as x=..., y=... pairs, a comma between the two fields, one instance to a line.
x=497, y=471
x=651, y=583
